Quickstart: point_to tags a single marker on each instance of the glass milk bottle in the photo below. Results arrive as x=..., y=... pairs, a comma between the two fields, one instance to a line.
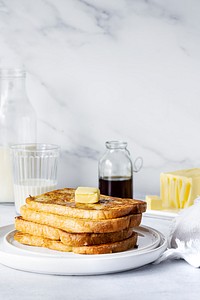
x=17, y=124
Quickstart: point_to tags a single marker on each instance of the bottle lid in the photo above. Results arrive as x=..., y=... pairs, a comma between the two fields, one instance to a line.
x=116, y=144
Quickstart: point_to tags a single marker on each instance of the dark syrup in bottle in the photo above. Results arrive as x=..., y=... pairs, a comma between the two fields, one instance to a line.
x=116, y=186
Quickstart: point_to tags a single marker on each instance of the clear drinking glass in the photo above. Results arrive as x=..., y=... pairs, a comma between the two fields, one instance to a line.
x=34, y=170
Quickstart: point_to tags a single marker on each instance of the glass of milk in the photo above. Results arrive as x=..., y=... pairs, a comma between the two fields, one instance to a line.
x=34, y=170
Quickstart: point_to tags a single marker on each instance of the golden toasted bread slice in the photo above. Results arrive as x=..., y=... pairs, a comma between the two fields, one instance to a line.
x=89, y=239
x=70, y=239
x=80, y=225
x=31, y=240
x=37, y=229
x=62, y=202
x=124, y=245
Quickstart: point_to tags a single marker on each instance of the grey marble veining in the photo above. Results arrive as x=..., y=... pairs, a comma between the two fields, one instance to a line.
x=103, y=70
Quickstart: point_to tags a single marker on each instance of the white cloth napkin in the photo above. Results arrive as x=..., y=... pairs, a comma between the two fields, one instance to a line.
x=184, y=239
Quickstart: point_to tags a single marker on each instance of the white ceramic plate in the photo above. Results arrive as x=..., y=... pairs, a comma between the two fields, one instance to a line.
x=147, y=239
x=151, y=244
x=162, y=214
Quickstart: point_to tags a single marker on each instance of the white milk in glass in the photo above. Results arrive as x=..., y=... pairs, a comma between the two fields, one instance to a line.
x=31, y=187
x=6, y=182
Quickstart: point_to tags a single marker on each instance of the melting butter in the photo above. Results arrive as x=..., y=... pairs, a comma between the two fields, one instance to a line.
x=87, y=195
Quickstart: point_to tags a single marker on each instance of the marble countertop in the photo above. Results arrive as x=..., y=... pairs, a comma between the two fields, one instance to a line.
x=168, y=280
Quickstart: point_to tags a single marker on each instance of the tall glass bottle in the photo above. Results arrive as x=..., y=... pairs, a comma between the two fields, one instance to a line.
x=116, y=171
x=17, y=124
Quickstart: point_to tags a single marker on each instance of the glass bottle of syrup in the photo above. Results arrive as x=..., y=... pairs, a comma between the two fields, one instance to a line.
x=116, y=171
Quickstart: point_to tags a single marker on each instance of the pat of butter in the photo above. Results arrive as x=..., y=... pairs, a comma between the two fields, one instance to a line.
x=153, y=202
x=180, y=188
x=87, y=195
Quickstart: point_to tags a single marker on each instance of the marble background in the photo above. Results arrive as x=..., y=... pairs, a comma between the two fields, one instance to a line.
x=106, y=70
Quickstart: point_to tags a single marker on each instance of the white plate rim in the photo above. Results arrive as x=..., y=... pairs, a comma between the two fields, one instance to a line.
x=104, y=264
x=141, y=230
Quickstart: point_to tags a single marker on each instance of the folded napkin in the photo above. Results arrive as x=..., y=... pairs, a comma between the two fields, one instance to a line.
x=184, y=238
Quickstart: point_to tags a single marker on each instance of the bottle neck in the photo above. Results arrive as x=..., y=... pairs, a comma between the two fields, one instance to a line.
x=116, y=145
x=12, y=86
x=17, y=116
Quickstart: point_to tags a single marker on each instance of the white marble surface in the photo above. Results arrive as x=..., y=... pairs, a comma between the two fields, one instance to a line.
x=170, y=280
x=126, y=69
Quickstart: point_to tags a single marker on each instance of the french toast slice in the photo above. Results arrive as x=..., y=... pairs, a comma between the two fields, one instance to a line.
x=121, y=246
x=34, y=240
x=70, y=239
x=37, y=229
x=62, y=202
x=31, y=240
x=89, y=239
x=80, y=225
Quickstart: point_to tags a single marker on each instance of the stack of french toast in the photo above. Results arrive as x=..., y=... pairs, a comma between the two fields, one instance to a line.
x=56, y=221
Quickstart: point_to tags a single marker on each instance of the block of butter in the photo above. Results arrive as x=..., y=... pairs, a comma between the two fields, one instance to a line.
x=87, y=195
x=179, y=189
x=153, y=202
